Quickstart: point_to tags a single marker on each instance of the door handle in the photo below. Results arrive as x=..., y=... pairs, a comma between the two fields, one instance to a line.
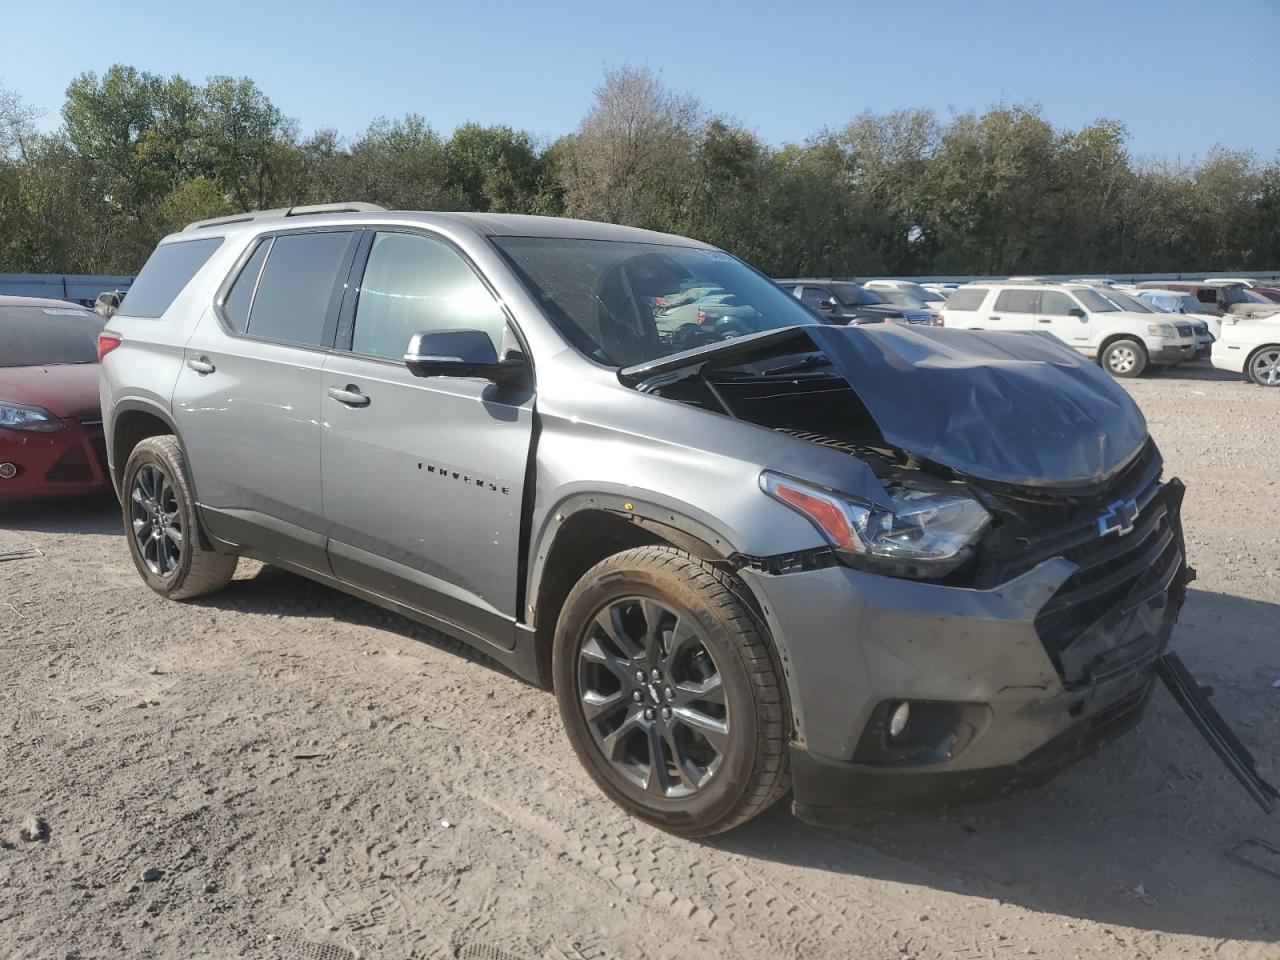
x=201, y=366
x=351, y=395
x=993, y=318
x=1044, y=320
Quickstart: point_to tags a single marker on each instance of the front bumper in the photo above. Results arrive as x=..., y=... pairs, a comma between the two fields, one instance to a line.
x=852, y=641
x=1230, y=357
x=1170, y=351
x=66, y=462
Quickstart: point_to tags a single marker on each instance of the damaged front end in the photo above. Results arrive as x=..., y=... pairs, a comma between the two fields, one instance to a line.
x=1007, y=460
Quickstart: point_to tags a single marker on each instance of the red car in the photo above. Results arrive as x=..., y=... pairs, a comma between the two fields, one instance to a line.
x=50, y=421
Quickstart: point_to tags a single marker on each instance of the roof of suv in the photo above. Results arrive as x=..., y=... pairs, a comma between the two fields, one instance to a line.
x=487, y=224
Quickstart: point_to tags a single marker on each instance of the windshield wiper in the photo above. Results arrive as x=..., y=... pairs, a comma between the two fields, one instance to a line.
x=808, y=363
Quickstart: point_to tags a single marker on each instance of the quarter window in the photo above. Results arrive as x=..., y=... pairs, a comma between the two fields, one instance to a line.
x=414, y=284
x=297, y=287
x=240, y=299
x=1017, y=301
x=1055, y=304
x=966, y=298
x=167, y=271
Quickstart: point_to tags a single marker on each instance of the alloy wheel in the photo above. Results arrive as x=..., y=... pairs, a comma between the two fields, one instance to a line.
x=1266, y=367
x=653, y=697
x=1122, y=359
x=157, y=520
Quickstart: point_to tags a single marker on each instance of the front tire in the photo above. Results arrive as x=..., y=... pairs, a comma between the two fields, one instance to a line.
x=1124, y=358
x=161, y=527
x=1263, y=366
x=670, y=692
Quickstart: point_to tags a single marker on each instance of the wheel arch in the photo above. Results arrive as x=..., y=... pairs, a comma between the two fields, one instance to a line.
x=585, y=529
x=1111, y=338
x=132, y=421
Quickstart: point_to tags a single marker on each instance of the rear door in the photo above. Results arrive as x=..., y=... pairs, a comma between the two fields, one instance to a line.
x=424, y=477
x=1014, y=309
x=247, y=400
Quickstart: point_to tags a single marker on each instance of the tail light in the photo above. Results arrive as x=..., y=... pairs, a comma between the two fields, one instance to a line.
x=938, y=321
x=702, y=317
x=106, y=343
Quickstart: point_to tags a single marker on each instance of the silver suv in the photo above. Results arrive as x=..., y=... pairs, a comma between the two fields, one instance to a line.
x=871, y=565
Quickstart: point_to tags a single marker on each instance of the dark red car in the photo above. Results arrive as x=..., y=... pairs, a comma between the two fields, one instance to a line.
x=50, y=421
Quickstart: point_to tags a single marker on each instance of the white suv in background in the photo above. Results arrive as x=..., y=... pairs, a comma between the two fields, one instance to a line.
x=1124, y=343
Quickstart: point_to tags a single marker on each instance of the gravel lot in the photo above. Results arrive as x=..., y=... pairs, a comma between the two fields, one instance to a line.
x=280, y=771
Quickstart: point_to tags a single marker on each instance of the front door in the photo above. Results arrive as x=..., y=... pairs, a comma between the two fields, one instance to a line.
x=247, y=401
x=1055, y=315
x=424, y=477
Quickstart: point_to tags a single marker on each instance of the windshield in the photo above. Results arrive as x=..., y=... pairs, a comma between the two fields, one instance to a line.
x=623, y=303
x=1126, y=302
x=1093, y=301
x=37, y=336
x=922, y=294
x=902, y=298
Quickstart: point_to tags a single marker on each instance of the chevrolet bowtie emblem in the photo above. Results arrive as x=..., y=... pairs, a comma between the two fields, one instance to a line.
x=1118, y=518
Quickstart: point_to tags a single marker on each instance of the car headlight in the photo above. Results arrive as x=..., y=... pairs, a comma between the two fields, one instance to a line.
x=1162, y=330
x=16, y=416
x=924, y=534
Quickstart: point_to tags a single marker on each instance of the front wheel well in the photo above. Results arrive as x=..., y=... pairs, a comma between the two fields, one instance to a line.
x=583, y=540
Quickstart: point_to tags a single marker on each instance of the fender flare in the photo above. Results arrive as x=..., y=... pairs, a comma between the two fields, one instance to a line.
x=131, y=405
x=679, y=529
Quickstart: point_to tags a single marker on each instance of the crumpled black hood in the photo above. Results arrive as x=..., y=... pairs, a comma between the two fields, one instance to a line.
x=1018, y=408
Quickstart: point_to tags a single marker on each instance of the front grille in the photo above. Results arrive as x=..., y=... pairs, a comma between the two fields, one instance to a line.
x=71, y=467
x=1116, y=573
x=1184, y=329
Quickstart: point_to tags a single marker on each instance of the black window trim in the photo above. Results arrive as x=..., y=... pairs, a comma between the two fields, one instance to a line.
x=345, y=331
x=336, y=295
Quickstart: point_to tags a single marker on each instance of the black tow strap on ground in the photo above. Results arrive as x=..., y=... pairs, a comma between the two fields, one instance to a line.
x=1195, y=703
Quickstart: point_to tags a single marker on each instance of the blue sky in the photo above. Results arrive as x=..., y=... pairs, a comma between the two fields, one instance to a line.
x=1181, y=75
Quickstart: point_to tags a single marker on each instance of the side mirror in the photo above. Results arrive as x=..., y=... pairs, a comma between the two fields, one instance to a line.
x=462, y=353
x=1076, y=312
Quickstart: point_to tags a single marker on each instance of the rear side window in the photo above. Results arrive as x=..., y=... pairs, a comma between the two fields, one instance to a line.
x=298, y=287
x=169, y=268
x=240, y=299
x=966, y=298
x=413, y=284
x=1017, y=301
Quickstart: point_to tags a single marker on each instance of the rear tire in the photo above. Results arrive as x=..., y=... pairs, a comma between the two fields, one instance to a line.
x=1124, y=358
x=670, y=693
x=161, y=526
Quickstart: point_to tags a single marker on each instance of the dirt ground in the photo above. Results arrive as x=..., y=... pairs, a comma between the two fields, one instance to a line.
x=280, y=771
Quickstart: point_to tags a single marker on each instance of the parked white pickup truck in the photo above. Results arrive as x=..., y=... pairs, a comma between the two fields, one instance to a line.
x=1124, y=343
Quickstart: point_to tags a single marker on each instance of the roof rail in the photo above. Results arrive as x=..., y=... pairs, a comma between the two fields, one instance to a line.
x=300, y=211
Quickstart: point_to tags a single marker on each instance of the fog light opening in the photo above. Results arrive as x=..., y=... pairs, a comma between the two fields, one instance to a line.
x=898, y=720
x=8, y=470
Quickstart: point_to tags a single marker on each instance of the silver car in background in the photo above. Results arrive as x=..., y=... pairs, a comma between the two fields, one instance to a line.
x=867, y=565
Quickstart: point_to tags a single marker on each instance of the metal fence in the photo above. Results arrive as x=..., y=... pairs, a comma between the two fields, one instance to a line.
x=78, y=288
